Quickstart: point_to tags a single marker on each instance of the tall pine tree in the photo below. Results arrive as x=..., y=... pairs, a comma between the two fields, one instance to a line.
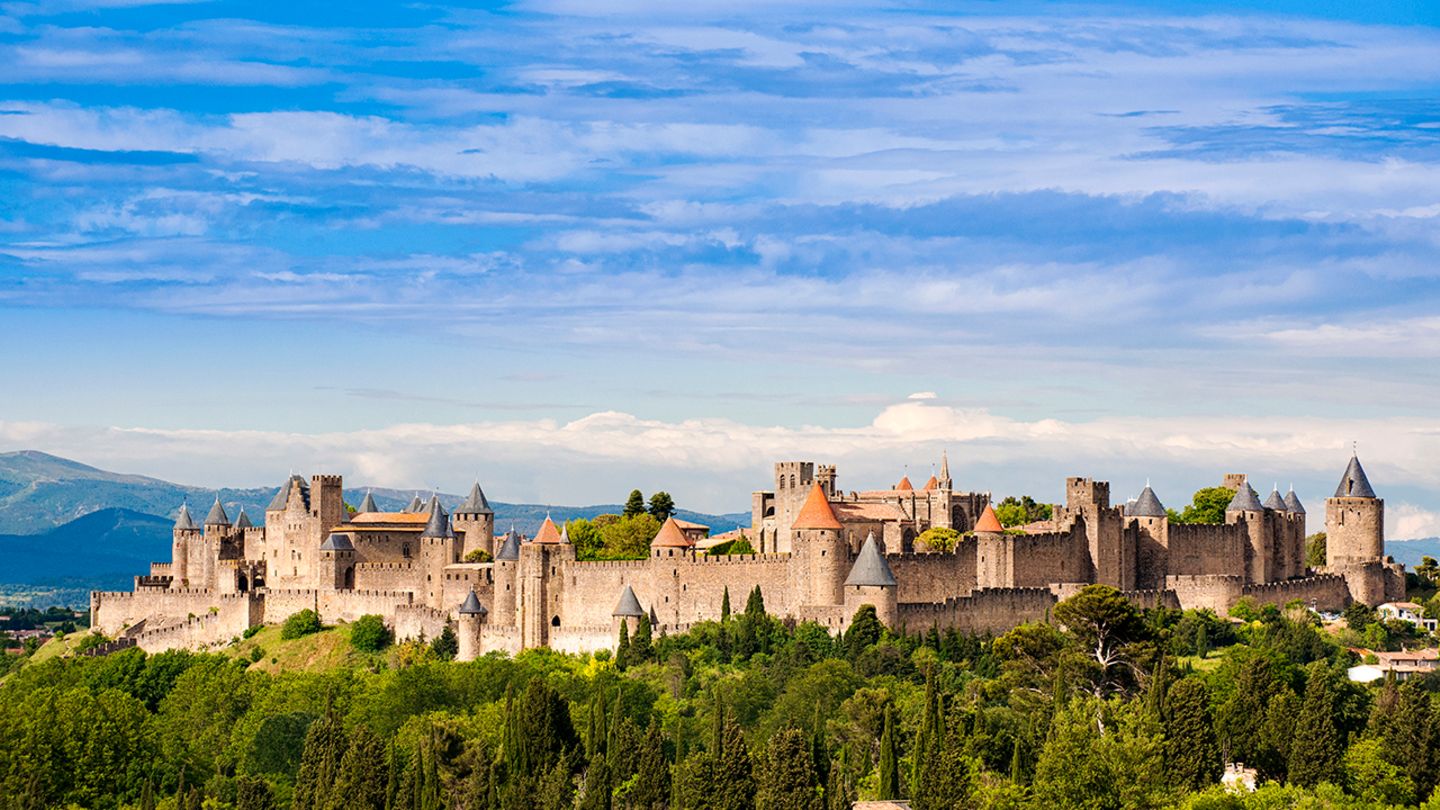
x=1317, y=750
x=363, y=773
x=1192, y=752
x=787, y=778
x=888, y=786
x=325, y=744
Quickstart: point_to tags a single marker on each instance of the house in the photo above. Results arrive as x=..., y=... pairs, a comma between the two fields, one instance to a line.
x=1407, y=612
x=1402, y=664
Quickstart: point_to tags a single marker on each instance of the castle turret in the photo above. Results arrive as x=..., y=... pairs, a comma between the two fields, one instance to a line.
x=184, y=535
x=540, y=584
x=820, y=558
x=1152, y=538
x=871, y=582
x=944, y=477
x=1245, y=509
x=471, y=625
x=367, y=506
x=242, y=521
x=327, y=502
x=475, y=520
x=437, y=550
x=1355, y=539
x=994, y=558
x=507, y=559
x=671, y=541
x=217, y=516
x=337, y=563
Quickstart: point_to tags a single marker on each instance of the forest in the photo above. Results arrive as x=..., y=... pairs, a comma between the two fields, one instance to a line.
x=1104, y=706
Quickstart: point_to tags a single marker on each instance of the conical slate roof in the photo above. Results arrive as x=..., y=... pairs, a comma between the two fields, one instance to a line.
x=472, y=605
x=1275, y=500
x=670, y=536
x=476, y=503
x=415, y=506
x=944, y=465
x=1246, y=500
x=242, y=521
x=628, y=605
x=510, y=549
x=183, y=520
x=1147, y=505
x=1292, y=503
x=439, y=524
x=816, y=512
x=282, y=497
x=367, y=506
x=217, y=516
x=870, y=567
x=988, y=522
x=1354, y=484
x=337, y=542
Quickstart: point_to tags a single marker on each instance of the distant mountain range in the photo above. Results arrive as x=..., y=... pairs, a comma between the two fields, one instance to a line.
x=1410, y=551
x=63, y=522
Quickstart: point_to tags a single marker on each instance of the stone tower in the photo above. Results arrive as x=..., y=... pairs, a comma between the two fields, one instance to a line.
x=437, y=550
x=994, y=563
x=1245, y=509
x=337, y=563
x=627, y=612
x=820, y=556
x=1152, y=539
x=1112, y=556
x=215, y=534
x=504, y=569
x=1354, y=520
x=327, y=502
x=538, y=591
x=185, y=535
x=476, y=521
x=872, y=583
x=471, y=624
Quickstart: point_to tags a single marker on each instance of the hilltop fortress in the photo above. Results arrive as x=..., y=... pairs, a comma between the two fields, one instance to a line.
x=822, y=554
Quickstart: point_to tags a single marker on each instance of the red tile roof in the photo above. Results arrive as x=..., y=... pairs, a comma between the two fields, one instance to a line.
x=548, y=533
x=816, y=513
x=988, y=522
x=905, y=483
x=671, y=536
x=931, y=484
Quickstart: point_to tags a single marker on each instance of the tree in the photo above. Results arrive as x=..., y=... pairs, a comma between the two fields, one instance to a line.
x=640, y=646
x=787, y=779
x=635, y=504
x=650, y=786
x=1105, y=622
x=662, y=506
x=865, y=629
x=1206, y=506
x=1192, y=752
x=1315, y=550
x=446, y=646
x=325, y=745
x=302, y=623
x=1316, y=754
x=586, y=537
x=363, y=773
x=369, y=633
x=1018, y=511
x=1102, y=754
x=1374, y=780
x=622, y=647
x=734, y=784
x=888, y=785
x=939, y=538
x=628, y=538
x=725, y=605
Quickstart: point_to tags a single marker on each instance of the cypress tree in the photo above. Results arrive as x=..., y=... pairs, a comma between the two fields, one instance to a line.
x=725, y=606
x=622, y=649
x=1016, y=763
x=251, y=793
x=820, y=749
x=1317, y=749
x=1405, y=724
x=755, y=604
x=598, y=778
x=1193, y=753
x=734, y=784
x=147, y=796
x=652, y=773
x=840, y=787
x=640, y=647
x=865, y=629
x=325, y=744
x=926, y=736
x=787, y=779
x=889, y=782
x=635, y=504
x=363, y=776
x=950, y=778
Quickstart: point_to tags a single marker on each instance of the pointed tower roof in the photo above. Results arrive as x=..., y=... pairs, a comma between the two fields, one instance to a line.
x=337, y=542
x=1292, y=503
x=988, y=522
x=1275, y=500
x=439, y=523
x=1147, y=505
x=242, y=521
x=932, y=484
x=628, y=605
x=671, y=536
x=1354, y=484
x=472, y=606
x=282, y=497
x=475, y=504
x=905, y=485
x=217, y=516
x=367, y=506
x=548, y=533
x=944, y=465
x=1246, y=500
x=870, y=567
x=816, y=512
x=415, y=505
x=183, y=520
x=510, y=548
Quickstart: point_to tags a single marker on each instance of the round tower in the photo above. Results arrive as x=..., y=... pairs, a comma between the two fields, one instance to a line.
x=337, y=563
x=820, y=558
x=627, y=612
x=1246, y=511
x=1354, y=520
x=476, y=521
x=471, y=624
x=871, y=582
x=437, y=550
x=507, y=558
x=183, y=536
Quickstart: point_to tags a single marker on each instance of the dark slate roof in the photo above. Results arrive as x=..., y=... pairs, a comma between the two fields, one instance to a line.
x=217, y=516
x=243, y=521
x=1147, y=505
x=472, y=605
x=183, y=520
x=337, y=542
x=1246, y=500
x=415, y=505
x=367, y=505
x=510, y=549
x=476, y=503
x=439, y=525
x=1275, y=501
x=628, y=605
x=282, y=497
x=1292, y=503
x=1354, y=484
x=870, y=567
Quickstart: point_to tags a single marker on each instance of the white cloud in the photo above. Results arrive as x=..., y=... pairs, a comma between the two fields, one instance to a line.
x=1410, y=522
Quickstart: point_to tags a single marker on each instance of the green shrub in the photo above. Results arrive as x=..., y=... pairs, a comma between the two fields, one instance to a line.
x=369, y=634
x=479, y=555
x=300, y=624
x=250, y=631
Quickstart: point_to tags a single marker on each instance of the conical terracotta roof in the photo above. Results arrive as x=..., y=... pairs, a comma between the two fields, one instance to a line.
x=905, y=485
x=816, y=513
x=549, y=532
x=670, y=536
x=933, y=483
x=988, y=522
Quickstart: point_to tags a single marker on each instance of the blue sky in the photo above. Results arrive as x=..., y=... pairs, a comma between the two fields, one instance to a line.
x=573, y=247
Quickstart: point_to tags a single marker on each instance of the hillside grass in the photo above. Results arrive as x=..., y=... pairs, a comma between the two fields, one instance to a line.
x=326, y=650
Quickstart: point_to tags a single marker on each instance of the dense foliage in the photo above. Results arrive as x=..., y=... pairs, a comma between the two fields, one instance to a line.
x=1109, y=707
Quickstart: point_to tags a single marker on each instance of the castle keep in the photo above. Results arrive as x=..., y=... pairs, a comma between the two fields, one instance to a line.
x=822, y=554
